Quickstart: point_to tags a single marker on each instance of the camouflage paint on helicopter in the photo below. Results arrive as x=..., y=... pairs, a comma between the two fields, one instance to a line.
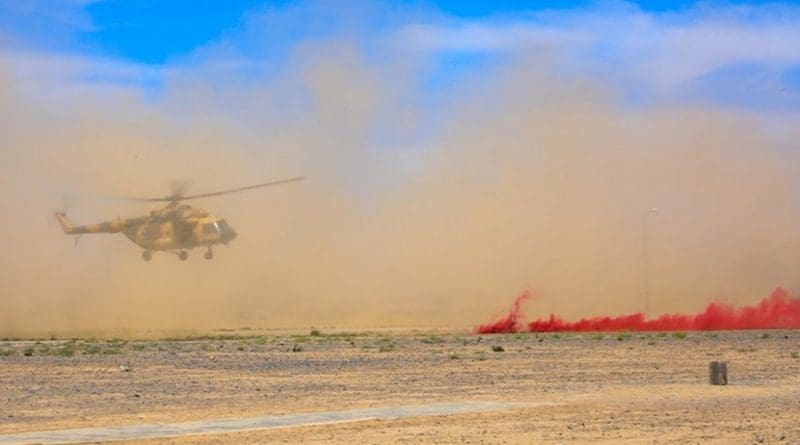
x=174, y=228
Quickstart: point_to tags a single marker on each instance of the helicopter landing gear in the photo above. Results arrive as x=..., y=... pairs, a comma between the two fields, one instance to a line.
x=182, y=255
x=147, y=255
x=208, y=255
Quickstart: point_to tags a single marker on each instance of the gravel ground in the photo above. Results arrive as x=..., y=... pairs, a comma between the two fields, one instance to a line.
x=628, y=387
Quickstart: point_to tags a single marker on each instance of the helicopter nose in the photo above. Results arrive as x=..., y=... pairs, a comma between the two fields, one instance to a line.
x=228, y=234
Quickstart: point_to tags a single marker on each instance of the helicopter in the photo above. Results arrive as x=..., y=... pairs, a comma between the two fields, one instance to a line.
x=175, y=228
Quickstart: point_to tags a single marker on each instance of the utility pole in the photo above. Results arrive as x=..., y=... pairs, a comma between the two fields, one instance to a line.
x=645, y=218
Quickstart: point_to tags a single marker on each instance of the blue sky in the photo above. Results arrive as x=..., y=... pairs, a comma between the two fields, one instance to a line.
x=152, y=31
x=739, y=54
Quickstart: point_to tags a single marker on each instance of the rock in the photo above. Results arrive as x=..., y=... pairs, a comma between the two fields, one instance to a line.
x=125, y=368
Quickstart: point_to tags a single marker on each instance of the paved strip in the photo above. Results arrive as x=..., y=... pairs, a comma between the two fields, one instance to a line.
x=215, y=426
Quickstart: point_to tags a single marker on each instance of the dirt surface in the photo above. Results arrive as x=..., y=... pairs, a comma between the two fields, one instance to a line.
x=635, y=388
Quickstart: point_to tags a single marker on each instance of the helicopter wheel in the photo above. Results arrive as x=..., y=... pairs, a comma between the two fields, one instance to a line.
x=208, y=255
x=147, y=255
x=183, y=255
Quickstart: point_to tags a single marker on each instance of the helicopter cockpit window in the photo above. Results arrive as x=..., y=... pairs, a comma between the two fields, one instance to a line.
x=210, y=228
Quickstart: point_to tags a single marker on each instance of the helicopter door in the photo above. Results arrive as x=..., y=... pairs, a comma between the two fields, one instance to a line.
x=183, y=232
x=151, y=231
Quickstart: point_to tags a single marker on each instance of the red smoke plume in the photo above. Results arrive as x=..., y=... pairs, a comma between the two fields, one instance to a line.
x=778, y=311
x=509, y=322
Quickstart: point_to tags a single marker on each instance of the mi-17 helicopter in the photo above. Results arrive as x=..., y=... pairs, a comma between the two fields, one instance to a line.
x=174, y=228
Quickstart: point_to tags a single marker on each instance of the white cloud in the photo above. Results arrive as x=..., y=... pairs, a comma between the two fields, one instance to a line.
x=51, y=78
x=485, y=37
x=662, y=49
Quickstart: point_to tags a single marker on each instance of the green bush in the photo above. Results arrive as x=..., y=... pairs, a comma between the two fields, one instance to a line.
x=65, y=351
x=301, y=339
x=432, y=340
x=262, y=340
x=92, y=349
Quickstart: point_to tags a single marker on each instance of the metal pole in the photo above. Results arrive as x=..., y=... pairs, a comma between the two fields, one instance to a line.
x=653, y=211
x=644, y=257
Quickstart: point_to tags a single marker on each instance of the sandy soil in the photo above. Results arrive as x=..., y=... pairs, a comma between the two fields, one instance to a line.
x=614, y=388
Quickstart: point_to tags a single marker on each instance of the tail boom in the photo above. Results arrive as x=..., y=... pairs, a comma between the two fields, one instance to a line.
x=103, y=227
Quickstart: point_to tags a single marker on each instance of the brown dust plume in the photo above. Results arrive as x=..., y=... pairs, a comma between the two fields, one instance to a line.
x=528, y=179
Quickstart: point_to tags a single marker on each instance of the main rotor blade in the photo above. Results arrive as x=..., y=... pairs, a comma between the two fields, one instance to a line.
x=175, y=198
x=241, y=189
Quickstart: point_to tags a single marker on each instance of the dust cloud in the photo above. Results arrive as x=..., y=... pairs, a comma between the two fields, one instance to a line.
x=522, y=177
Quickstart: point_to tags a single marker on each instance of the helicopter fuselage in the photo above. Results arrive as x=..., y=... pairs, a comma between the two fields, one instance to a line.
x=174, y=228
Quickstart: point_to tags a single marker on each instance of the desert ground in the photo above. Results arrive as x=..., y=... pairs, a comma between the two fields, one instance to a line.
x=571, y=387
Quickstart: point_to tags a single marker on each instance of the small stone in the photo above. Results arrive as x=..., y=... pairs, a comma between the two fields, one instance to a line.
x=125, y=368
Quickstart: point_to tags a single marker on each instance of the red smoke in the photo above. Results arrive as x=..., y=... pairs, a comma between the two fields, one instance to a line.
x=778, y=311
x=509, y=322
